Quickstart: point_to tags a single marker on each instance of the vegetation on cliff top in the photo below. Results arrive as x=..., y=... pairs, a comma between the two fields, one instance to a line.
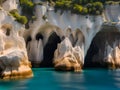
x=93, y=7
x=18, y=17
x=27, y=10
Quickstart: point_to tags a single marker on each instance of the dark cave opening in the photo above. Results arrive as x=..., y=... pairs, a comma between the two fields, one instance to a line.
x=39, y=36
x=93, y=49
x=8, y=32
x=49, y=50
x=96, y=52
x=28, y=40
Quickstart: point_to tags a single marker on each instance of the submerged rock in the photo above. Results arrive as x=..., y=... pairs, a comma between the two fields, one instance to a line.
x=14, y=62
x=67, y=57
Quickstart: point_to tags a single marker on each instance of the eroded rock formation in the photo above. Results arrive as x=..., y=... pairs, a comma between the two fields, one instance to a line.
x=74, y=32
x=105, y=49
x=41, y=44
x=67, y=57
x=13, y=55
x=69, y=54
x=14, y=61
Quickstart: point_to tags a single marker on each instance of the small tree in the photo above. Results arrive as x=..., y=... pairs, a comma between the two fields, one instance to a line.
x=23, y=19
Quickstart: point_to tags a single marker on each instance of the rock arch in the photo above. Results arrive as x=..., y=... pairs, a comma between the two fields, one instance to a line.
x=49, y=49
x=42, y=43
x=105, y=49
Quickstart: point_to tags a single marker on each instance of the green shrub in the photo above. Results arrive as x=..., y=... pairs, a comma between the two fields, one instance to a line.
x=22, y=19
x=27, y=8
x=81, y=6
x=27, y=3
x=18, y=17
x=59, y=4
x=84, y=11
x=77, y=8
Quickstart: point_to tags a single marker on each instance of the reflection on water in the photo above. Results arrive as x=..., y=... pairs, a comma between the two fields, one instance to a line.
x=48, y=79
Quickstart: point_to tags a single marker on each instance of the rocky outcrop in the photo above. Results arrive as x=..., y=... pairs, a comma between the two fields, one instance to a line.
x=9, y=5
x=14, y=61
x=105, y=49
x=13, y=55
x=74, y=32
x=67, y=57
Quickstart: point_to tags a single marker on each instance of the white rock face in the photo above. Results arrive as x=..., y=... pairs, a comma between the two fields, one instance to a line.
x=35, y=51
x=112, y=13
x=5, y=18
x=13, y=54
x=87, y=25
x=38, y=40
x=9, y=5
x=67, y=57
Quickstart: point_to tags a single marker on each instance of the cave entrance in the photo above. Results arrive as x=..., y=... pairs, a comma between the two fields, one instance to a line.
x=49, y=50
x=97, y=50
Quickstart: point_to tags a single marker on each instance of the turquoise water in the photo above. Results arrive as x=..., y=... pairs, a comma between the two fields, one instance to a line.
x=48, y=79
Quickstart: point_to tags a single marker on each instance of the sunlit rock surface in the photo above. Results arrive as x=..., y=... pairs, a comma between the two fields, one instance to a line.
x=13, y=55
x=67, y=57
x=14, y=61
x=9, y=5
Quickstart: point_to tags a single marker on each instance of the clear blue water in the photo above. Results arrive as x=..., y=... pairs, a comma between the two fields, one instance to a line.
x=48, y=79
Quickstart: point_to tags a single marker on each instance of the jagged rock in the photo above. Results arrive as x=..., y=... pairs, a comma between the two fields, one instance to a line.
x=13, y=55
x=67, y=57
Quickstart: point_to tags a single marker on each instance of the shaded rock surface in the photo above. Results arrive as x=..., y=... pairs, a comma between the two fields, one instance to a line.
x=105, y=49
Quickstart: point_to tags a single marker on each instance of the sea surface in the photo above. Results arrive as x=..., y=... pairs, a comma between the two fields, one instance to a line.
x=48, y=79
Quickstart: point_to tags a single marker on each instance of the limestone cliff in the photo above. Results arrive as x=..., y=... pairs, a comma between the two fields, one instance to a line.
x=82, y=30
x=50, y=31
x=69, y=23
x=14, y=61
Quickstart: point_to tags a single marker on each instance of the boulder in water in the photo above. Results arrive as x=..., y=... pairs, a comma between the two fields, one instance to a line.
x=67, y=57
x=14, y=62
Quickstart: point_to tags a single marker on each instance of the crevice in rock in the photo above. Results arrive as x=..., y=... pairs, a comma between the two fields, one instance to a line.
x=49, y=50
x=28, y=40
